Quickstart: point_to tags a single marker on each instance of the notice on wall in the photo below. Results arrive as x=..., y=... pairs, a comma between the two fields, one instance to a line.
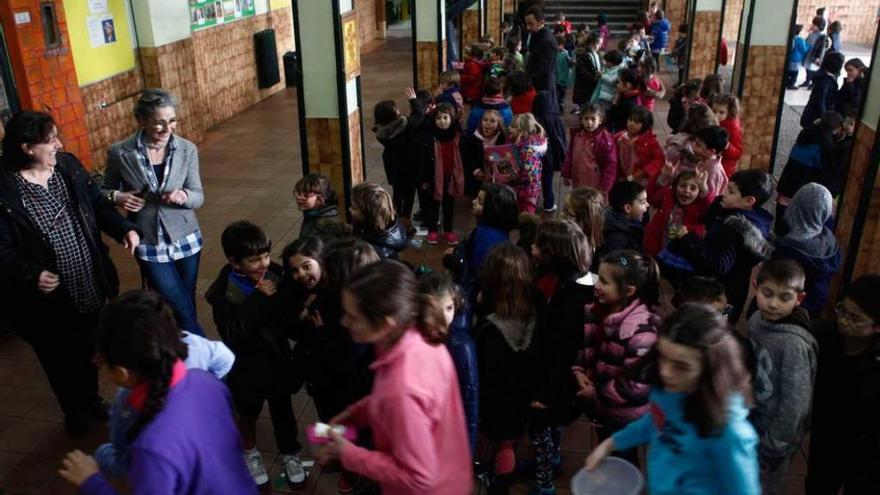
x=102, y=29
x=98, y=6
x=207, y=13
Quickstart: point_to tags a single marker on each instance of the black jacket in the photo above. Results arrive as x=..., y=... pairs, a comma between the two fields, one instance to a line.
x=619, y=112
x=541, y=60
x=25, y=252
x=388, y=243
x=545, y=108
x=586, y=76
x=312, y=218
x=399, y=140
x=814, y=158
x=620, y=232
x=823, y=96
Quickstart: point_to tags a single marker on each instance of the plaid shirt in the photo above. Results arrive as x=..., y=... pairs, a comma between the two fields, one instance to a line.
x=167, y=250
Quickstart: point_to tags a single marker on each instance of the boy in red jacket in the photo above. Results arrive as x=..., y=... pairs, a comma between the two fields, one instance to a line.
x=726, y=108
x=472, y=74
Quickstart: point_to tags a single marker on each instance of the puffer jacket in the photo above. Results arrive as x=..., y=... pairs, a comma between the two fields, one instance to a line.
x=464, y=355
x=660, y=31
x=388, y=243
x=603, y=171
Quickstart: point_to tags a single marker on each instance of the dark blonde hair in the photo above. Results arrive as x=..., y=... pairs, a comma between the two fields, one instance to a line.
x=729, y=101
x=432, y=287
x=506, y=278
x=376, y=205
x=450, y=77
x=699, y=116
x=564, y=248
x=588, y=211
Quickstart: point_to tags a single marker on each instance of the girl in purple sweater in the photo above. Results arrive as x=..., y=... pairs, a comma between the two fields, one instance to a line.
x=184, y=440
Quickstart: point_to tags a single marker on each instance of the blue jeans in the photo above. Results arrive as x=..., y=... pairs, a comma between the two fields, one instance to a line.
x=176, y=281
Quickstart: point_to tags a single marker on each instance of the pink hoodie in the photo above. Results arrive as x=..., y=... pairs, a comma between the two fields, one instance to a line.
x=417, y=420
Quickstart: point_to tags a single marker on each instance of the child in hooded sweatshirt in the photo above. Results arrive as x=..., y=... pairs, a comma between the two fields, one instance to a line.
x=785, y=352
x=638, y=150
x=316, y=198
x=623, y=228
x=492, y=100
x=442, y=174
x=726, y=108
x=809, y=242
x=606, y=89
x=530, y=143
x=591, y=160
x=681, y=207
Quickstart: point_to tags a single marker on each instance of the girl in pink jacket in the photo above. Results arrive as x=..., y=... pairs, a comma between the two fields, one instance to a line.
x=414, y=411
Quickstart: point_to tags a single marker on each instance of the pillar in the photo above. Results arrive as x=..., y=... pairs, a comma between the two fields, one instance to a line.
x=493, y=19
x=676, y=13
x=429, y=18
x=763, y=64
x=381, y=24
x=470, y=26
x=733, y=13
x=704, y=39
x=329, y=96
x=508, y=7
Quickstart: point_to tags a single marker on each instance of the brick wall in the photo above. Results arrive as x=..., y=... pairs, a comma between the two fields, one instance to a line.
x=704, y=45
x=760, y=101
x=493, y=19
x=173, y=68
x=115, y=121
x=859, y=17
x=676, y=12
x=733, y=10
x=366, y=20
x=470, y=28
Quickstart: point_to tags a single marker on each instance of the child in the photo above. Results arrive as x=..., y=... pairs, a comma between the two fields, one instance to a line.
x=530, y=143
x=316, y=198
x=785, y=352
x=447, y=304
x=374, y=220
x=699, y=439
x=681, y=207
x=450, y=91
x=679, y=146
x=852, y=92
x=586, y=207
x=799, y=50
x=561, y=254
x=679, y=51
x=702, y=290
x=442, y=174
x=624, y=230
x=184, y=434
x=626, y=291
x=685, y=95
x=397, y=134
x=604, y=31
x=660, y=29
x=652, y=86
x=522, y=93
x=496, y=63
x=506, y=355
x=587, y=70
x=492, y=100
x=472, y=74
x=726, y=108
x=628, y=84
x=824, y=89
x=591, y=160
x=638, y=150
x=713, y=87
x=242, y=299
x=819, y=43
x=737, y=229
x=490, y=132
x=513, y=45
x=606, y=89
x=844, y=435
x=809, y=242
x=708, y=144
x=563, y=70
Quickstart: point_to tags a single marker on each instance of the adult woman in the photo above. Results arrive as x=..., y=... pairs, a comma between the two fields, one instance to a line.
x=154, y=174
x=56, y=271
x=824, y=90
x=414, y=410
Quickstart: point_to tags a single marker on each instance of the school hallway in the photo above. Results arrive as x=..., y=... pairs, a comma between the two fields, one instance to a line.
x=249, y=165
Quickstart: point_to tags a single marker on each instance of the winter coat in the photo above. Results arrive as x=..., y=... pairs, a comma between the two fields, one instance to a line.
x=467, y=258
x=735, y=241
x=679, y=152
x=818, y=48
x=388, y=243
x=613, y=349
x=417, y=422
x=620, y=232
x=464, y=356
x=523, y=103
x=691, y=216
x=430, y=162
x=845, y=433
x=530, y=150
x=473, y=157
x=488, y=103
x=472, y=80
x=563, y=69
x=681, y=462
x=545, y=108
x=850, y=96
x=508, y=366
x=799, y=50
x=606, y=88
x=619, y=112
x=25, y=252
x=660, y=31
x=400, y=141
x=822, y=98
x=785, y=354
x=313, y=217
x=598, y=172
x=541, y=61
x=587, y=70
x=643, y=160
x=734, y=151
x=811, y=160
x=716, y=179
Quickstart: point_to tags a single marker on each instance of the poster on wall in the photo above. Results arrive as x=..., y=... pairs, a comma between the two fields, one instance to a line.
x=350, y=45
x=102, y=29
x=207, y=13
x=97, y=6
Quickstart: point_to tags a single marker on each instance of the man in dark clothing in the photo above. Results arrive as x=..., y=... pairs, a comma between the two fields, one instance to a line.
x=542, y=50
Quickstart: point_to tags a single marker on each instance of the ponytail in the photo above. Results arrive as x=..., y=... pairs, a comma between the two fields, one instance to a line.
x=640, y=271
x=156, y=395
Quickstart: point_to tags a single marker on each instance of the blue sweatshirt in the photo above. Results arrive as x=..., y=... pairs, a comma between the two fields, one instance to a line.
x=681, y=462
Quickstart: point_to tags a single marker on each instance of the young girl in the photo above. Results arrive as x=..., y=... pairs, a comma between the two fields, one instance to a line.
x=653, y=87
x=586, y=207
x=681, y=207
x=685, y=95
x=678, y=146
x=442, y=174
x=414, y=410
x=185, y=434
x=375, y=221
x=506, y=356
x=697, y=430
x=626, y=292
x=638, y=150
x=561, y=254
x=591, y=160
x=530, y=143
x=490, y=132
x=726, y=108
x=522, y=93
x=713, y=87
x=397, y=132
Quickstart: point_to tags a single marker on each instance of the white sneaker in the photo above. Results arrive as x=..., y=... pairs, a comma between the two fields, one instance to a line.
x=293, y=468
x=254, y=461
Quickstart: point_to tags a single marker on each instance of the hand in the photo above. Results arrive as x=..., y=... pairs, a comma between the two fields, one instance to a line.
x=599, y=454
x=304, y=315
x=566, y=181
x=47, y=282
x=129, y=201
x=667, y=171
x=703, y=181
x=410, y=93
x=267, y=287
x=131, y=241
x=540, y=406
x=332, y=450
x=682, y=231
x=175, y=197
x=583, y=379
x=78, y=467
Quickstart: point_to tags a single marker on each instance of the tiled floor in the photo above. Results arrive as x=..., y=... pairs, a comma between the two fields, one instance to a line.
x=249, y=166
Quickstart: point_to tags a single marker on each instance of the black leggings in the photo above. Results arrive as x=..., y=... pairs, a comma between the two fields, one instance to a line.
x=249, y=407
x=432, y=218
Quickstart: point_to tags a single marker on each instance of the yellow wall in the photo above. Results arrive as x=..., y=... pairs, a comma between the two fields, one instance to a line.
x=279, y=4
x=97, y=63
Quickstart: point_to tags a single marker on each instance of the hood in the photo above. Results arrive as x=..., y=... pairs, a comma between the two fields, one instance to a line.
x=626, y=321
x=393, y=237
x=809, y=210
x=754, y=228
x=618, y=221
x=796, y=324
x=388, y=131
x=518, y=334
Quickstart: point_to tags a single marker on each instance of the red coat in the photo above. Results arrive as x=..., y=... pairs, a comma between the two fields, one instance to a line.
x=649, y=155
x=523, y=103
x=472, y=80
x=735, y=145
x=663, y=198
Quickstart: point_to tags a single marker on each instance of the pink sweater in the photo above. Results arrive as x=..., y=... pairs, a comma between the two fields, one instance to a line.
x=418, y=423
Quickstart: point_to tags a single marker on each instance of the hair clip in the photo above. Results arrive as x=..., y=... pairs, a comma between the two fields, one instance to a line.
x=623, y=261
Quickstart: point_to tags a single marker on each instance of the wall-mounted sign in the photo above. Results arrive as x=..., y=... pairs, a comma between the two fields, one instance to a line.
x=351, y=52
x=97, y=6
x=207, y=13
x=102, y=29
x=22, y=17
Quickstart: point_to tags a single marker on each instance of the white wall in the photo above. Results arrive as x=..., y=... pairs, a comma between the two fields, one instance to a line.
x=871, y=115
x=318, y=58
x=710, y=5
x=771, y=23
x=160, y=22
x=426, y=20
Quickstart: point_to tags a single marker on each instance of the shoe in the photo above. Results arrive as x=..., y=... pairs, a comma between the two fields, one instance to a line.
x=451, y=238
x=100, y=409
x=293, y=469
x=551, y=209
x=433, y=238
x=254, y=461
x=347, y=482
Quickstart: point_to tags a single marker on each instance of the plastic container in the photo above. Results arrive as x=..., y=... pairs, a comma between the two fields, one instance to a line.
x=613, y=476
x=317, y=434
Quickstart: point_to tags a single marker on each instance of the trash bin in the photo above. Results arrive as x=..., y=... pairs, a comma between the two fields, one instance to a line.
x=291, y=68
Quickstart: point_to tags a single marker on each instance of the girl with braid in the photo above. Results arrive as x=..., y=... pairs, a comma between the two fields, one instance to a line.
x=184, y=439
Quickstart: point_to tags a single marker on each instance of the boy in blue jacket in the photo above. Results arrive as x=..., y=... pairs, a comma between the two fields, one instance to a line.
x=799, y=49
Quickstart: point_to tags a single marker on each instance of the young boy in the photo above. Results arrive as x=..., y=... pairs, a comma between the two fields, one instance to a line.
x=242, y=299
x=496, y=63
x=606, y=88
x=587, y=70
x=450, y=91
x=492, y=100
x=799, y=49
x=708, y=145
x=563, y=71
x=785, y=357
x=472, y=74
x=628, y=84
x=627, y=204
x=737, y=232
x=316, y=198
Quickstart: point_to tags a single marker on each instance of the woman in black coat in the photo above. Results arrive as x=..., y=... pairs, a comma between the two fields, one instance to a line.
x=56, y=270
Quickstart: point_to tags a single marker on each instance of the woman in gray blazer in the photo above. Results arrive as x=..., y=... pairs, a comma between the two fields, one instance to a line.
x=154, y=174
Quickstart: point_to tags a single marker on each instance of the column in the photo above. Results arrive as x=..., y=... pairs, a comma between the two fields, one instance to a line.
x=676, y=13
x=329, y=96
x=763, y=63
x=429, y=18
x=381, y=24
x=733, y=13
x=493, y=19
x=470, y=26
x=704, y=39
x=508, y=7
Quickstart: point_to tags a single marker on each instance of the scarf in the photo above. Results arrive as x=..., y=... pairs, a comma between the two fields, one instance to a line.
x=455, y=188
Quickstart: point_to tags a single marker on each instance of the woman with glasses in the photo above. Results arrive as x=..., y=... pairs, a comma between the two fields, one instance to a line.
x=845, y=438
x=154, y=175
x=56, y=274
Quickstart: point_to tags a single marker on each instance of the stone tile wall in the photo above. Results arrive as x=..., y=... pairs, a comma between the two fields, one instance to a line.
x=760, y=102
x=325, y=150
x=114, y=122
x=507, y=7
x=470, y=28
x=493, y=19
x=366, y=20
x=733, y=10
x=860, y=165
x=676, y=12
x=355, y=138
x=426, y=60
x=704, y=45
x=173, y=68
x=859, y=17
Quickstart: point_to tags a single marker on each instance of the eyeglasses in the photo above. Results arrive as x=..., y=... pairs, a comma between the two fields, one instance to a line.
x=849, y=317
x=163, y=124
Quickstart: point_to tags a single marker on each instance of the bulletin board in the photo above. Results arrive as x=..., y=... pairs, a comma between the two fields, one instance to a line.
x=206, y=13
x=100, y=38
